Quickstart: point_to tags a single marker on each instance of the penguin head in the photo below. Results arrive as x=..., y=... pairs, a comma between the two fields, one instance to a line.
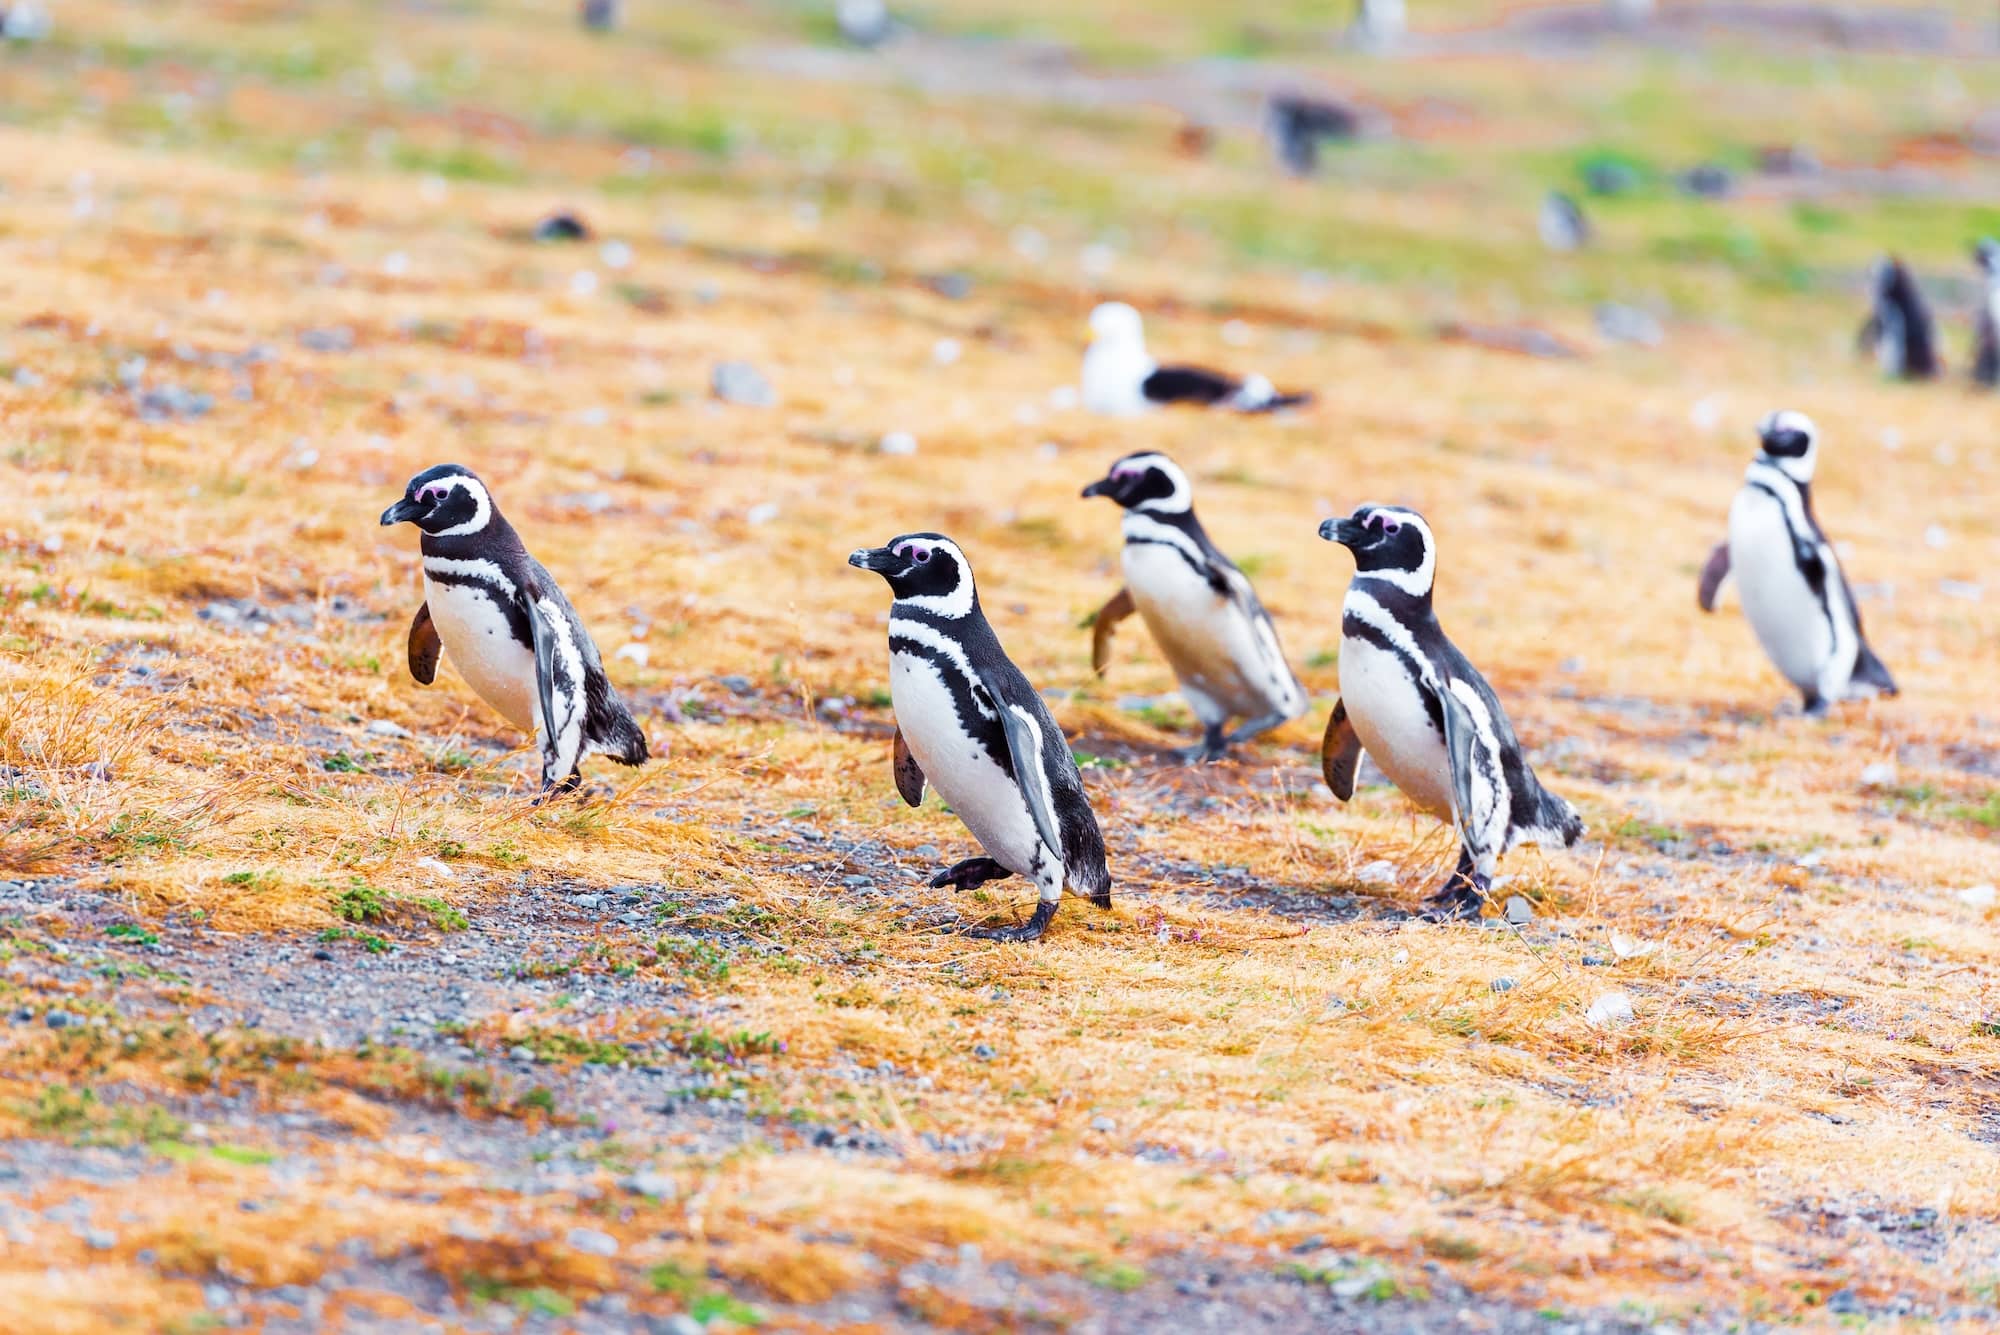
x=1890, y=280
x=1791, y=443
x=1986, y=254
x=445, y=500
x=1116, y=322
x=1389, y=542
x=925, y=568
x=1146, y=481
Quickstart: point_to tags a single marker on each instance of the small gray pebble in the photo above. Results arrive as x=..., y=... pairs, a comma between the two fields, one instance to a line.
x=742, y=383
x=59, y=1019
x=522, y=1054
x=587, y=901
x=1103, y=1125
x=927, y=851
x=984, y=1051
x=1594, y=961
x=1519, y=910
x=592, y=1242
x=99, y=1240
x=1503, y=985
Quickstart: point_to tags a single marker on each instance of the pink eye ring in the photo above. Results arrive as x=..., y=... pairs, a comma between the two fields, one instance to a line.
x=914, y=552
x=433, y=490
x=1390, y=526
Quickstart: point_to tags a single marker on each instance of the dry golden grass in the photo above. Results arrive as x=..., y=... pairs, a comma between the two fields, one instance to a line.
x=1358, y=1081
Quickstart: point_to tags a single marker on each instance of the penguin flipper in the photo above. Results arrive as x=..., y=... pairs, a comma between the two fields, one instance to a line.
x=1104, y=624
x=550, y=740
x=1340, y=753
x=1024, y=748
x=1478, y=797
x=424, y=646
x=909, y=774
x=1712, y=575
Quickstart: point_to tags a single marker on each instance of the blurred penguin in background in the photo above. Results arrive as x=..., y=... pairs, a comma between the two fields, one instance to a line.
x=598, y=15
x=1986, y=324
x=1899, y=332
x=1562, y=224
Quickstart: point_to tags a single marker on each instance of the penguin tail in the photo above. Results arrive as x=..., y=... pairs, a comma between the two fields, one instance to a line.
x=1870, y=671
x=617, y=736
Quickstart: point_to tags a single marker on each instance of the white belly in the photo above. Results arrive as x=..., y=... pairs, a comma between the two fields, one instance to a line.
x=1395, y=729
x=1112, y=380
x=1223, y=659
x=1781, y=606
x=477, y=641
x=978, y=791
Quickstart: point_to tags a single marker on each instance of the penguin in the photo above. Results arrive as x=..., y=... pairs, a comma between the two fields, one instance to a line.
x=1562, y=224
x=1986, y=325
x=1298, y=124
x=1199, y=606
x=511, y=633
x=1121, y=379
x=969, y=724
x=1898, y=330
x=1413, y=702
x=1793, y=590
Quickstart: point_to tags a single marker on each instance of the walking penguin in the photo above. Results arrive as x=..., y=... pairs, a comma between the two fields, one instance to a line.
x=1793, y=590
x=509, y=630
x=1200, y=608
x=1413, y=702
x=971, y=725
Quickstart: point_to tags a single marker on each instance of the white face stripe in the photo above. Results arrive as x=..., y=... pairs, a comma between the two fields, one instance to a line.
x=1798, y=469
x=1416, y=582
x=957, y=603
x=482, y=514
x=909, y=628
x=1179, y=501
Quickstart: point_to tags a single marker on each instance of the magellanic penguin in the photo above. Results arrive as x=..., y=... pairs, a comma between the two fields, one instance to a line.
x=1898, y=331
x=969, y=723
x=1201, y=609
x=1121, y=379
x=1793, y=590
x=1986, y=325
x=510, y=632
x=1410, y=699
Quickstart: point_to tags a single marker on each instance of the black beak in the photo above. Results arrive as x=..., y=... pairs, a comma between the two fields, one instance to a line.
x=401, y=512
x=878, y=559
x=1104, y=486
x=1343, y=531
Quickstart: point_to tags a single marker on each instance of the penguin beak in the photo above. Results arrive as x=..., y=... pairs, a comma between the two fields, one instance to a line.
x=1343, y=531
x=401, y=512
x=1104, y=486
x=878, y=559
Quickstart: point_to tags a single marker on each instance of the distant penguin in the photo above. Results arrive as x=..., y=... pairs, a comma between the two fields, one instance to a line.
x=865, y=23
x=1562, y=224
x=1381, y=23
x=1792, y=586
x=509, y=630
x=1200, y=608
x=1120, y=377
x=971, y=725
x=1986, y=324
x=1413, y=703
x=1298, y=124
x=598, y=15
x=1898, y=332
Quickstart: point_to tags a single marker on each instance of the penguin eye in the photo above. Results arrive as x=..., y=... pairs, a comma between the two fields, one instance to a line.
x=922, y=554
x=1391, y=527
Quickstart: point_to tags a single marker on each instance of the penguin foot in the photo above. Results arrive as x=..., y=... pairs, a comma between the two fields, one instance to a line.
x=1817, y=707
x=1257, y=727
x=969, y=874
x=1212, y=747
x=1031, y=930
x=568, y=787
x=1461, y=899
